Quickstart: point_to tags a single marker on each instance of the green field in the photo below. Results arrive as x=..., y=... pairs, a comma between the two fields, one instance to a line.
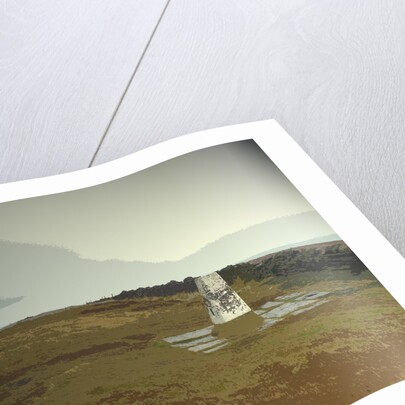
x=112, y=352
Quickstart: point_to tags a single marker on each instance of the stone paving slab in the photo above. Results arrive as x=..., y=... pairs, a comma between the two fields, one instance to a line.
x=195, y=342
x=190, y=335
x=300, y=311
x=206, y=345
x=286, y=309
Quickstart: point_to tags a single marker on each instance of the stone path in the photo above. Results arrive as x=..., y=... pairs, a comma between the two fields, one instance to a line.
x=198, y=340
x=272, y=312
x=291, y=304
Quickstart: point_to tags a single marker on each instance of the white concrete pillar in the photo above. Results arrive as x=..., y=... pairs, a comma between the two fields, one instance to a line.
x=222, y=302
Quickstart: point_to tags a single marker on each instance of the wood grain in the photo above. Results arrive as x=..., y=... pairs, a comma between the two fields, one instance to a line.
x=330, y=72
x=63, y=68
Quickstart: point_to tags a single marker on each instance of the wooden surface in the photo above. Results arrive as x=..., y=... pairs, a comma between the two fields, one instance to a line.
x=63, y=68
x=74, y=94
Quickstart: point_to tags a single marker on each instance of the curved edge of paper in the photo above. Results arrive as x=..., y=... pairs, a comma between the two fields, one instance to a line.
x=134, y=162
x=393, y=394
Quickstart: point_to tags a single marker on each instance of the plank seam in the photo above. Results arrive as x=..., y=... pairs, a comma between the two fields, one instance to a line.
x=128, y=84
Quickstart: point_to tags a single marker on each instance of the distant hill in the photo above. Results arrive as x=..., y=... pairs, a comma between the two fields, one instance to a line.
x=334, y=255
x=51, y=277
x=5, y=302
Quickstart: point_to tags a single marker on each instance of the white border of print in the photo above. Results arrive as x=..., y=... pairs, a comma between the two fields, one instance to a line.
x=341, y=214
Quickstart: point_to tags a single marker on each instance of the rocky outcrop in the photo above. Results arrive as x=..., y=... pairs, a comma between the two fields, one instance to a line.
x=318, y=257
x=163, y=290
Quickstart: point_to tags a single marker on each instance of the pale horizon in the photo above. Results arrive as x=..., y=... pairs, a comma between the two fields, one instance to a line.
x=182, y=258
x=163, y=213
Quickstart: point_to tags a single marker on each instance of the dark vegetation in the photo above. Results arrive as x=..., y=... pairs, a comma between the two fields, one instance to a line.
x=318, y=257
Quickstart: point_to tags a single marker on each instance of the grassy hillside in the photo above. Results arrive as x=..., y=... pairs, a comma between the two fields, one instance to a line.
x=113, y=352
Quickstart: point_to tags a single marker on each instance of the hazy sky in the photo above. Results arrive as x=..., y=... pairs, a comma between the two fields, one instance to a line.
x=166, y=212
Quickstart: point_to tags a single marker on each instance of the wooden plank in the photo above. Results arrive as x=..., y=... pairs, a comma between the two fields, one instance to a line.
x=330, y=72
x=63, y=68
